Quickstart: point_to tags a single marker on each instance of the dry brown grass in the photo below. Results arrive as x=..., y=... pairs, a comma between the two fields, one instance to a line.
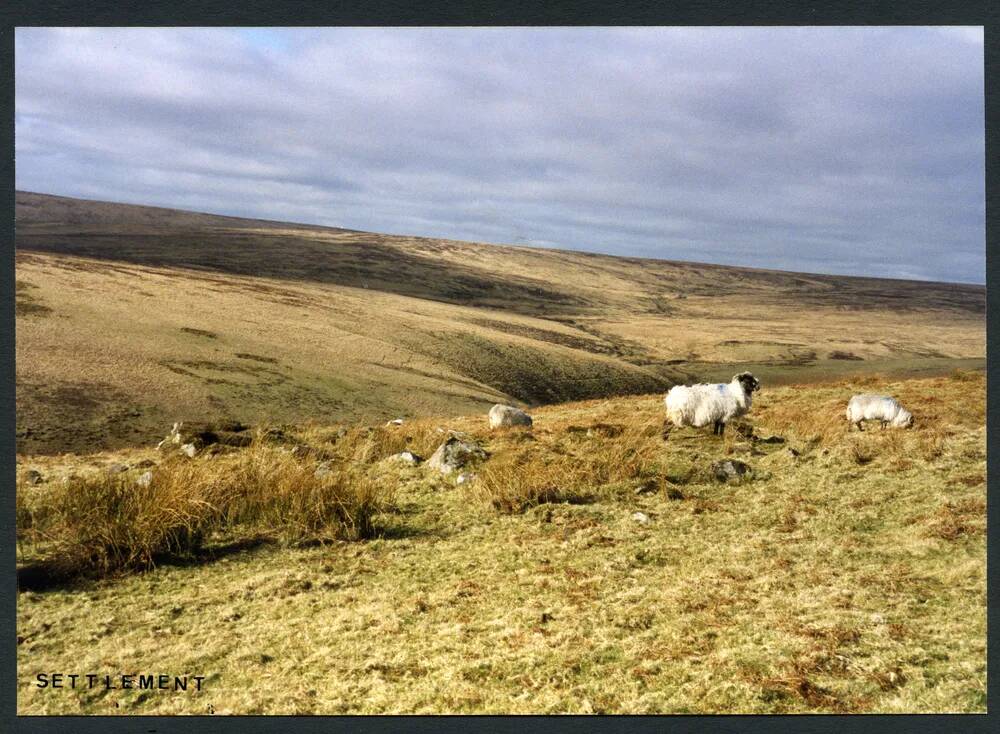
x=553, y=469
x=103, y=523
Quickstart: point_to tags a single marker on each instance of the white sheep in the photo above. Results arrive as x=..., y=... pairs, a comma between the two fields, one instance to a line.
x=880, y=408
x=699, y=405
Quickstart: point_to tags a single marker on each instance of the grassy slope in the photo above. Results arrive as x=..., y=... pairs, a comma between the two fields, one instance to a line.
x=132, y=317
x=851, y=578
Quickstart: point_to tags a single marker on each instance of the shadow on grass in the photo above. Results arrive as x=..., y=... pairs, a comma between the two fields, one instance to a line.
x=53, y=573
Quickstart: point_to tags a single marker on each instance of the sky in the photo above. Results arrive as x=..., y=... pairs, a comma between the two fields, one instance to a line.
x=829, y=150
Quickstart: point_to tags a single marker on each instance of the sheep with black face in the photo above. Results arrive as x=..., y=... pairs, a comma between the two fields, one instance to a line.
x=699, y=405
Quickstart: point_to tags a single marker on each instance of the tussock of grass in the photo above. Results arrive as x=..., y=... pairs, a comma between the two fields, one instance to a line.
x=548, y=470
x=105, y=523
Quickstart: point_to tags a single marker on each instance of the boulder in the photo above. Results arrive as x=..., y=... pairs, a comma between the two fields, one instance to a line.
x=502, y=416
x=455, y=454
x=724, y=471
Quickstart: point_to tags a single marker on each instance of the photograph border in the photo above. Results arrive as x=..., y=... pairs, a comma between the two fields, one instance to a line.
x=478, y=13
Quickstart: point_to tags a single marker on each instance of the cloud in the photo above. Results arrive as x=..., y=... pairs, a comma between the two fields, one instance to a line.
x=849, y=150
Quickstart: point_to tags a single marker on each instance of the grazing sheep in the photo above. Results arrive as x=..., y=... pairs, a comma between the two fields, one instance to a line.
x=507, y=415
x=880, y=408
x=699, y=405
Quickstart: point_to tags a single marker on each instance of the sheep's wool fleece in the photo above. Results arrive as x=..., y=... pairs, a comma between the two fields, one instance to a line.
x=877, y=408
x=508, y=415
x=700, y=405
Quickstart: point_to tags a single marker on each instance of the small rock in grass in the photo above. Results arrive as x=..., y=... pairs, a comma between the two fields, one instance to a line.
x=771, y=439
x=647, y=487
x=465, y=478
x=395, y=422
x=323, y=470
x=455, y=453
x=117, y=468
x=189, y=450
x=407, y=457
x=641, y=517
x=145, y=479
x=729, y=469
x=33, y=476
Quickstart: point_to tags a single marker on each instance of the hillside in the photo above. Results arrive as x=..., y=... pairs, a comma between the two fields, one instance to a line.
x=845, y=574
x=129, y=318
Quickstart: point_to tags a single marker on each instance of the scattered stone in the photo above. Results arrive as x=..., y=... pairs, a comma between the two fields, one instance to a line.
x=116, y=468
x=502, y=416
x=145, y=479
x=407, y=457
x=793, y=452
x=647, y=487
x=189, y=450
x=455, y=453
x=729, y=469
x=33, y=476
x=395, y=422
x=674, y=494
x=229, y=433
x=323, y=470
x=641, y=517
x=771, y=439
x=465, y=478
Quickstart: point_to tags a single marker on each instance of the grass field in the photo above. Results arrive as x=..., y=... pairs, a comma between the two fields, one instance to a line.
x=848, y=578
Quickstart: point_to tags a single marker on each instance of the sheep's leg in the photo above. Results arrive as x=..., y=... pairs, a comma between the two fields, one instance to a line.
x=884, y=424
x=667, y=426
x=860, y=427
x=721, y=426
